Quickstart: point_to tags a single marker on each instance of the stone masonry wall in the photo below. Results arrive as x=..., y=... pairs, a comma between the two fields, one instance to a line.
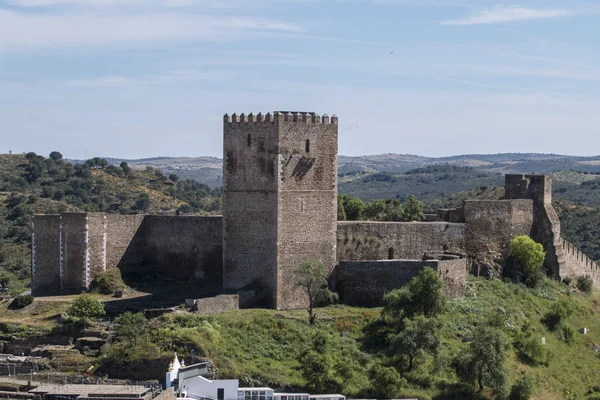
x=364, y=283
x=186, y=247
x=397, y=240
x=307, y=204
x=96, y=226
x=125, y=241
x=491, y=224
x=45, y=254
x=74, y=239
x=576, y=264
x=280, y=204
x=250, y=175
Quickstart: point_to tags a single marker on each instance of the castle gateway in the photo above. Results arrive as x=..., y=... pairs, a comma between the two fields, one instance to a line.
x=279, y=209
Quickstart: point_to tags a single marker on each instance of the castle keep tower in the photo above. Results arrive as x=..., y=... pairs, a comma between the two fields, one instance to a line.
x=280, y=200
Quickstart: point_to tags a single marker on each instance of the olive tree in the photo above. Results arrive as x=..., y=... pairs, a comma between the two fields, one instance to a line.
x=312, y=278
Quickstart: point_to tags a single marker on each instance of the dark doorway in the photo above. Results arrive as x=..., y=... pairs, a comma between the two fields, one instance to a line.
x=391, y=253
x=220, y=394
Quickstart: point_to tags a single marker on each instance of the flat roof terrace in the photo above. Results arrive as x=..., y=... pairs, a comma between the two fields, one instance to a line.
x=91, y=391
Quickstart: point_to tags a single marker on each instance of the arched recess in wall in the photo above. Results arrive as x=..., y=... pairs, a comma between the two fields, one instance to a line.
x=391, y=253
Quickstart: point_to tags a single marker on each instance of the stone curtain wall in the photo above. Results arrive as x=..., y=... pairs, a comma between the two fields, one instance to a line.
x=125, y=241
x=364, y=283
x=575, y=263
x=45, y=253
x=492, y=224
x=185, y=247
x=70, y=249
x=75, y=257
x=400, y=240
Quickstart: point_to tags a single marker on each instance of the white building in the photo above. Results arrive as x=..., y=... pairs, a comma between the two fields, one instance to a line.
x=190, y=383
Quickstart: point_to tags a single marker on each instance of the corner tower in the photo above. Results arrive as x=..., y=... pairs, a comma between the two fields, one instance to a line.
x=280, y=200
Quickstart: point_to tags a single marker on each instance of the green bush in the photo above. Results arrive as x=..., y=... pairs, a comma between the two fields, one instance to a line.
x=559, y=311
x=585, y=284
x=21, y=301
x=568, y=334
x=533, y=349
x=524, y=388
x=107, y=282
x=530, y=256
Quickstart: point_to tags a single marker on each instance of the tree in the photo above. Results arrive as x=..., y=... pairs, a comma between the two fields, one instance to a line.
x=558, y=312
x=143, y=202
x=413, y=210
x=312, y=278
x=419, y=335
x=384, y=210
x=484, y=361
x=353, y=207
x=423, y=295
x=341, y=212
x=173, y=177
x=85, y=307
x=585, y=284
x=386, y=382
x=125, y=167
x=529, y=255
x=55, y=155
x=30, y=156
x=130, y=326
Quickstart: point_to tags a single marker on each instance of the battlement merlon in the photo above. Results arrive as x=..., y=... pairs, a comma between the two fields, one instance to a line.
x=280, y=116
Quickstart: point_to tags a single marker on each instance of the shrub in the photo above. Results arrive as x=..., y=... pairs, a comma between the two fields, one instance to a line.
x=568, y=334
x=107, y=282
x=533, y=349
x=85, y=307
x=559, y=311
x=585, y=284
x=524, y=388
x=386, y=382
x=21, y=301
x=530, y=256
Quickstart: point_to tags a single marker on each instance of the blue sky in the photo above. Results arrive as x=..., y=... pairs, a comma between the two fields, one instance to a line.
x=144, y=78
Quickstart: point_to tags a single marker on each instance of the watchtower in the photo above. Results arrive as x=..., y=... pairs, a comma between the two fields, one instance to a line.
x=280, y=200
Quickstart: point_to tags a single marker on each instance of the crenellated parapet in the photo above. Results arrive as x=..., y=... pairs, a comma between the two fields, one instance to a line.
x=280, y=116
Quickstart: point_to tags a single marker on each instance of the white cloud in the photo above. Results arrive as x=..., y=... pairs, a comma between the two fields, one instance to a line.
x=19, y=31
x=501, y=13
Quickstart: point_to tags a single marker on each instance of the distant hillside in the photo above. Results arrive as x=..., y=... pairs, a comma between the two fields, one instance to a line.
x=208, y=170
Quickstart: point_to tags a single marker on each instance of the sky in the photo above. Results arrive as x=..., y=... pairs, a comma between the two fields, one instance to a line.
x=148, y=78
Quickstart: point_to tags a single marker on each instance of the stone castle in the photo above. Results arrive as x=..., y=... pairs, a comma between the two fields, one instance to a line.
x=279, y=209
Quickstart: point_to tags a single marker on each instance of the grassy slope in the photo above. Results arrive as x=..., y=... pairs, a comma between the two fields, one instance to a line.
x=262, y=346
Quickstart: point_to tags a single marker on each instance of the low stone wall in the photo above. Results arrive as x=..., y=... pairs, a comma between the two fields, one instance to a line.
x=364, y=283
x=361, y=241
x=217, y=304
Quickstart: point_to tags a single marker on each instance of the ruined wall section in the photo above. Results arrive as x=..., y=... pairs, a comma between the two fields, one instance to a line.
x=45, y=254
x=186, y=247
x=250, y=176
x=491, y=225
x=546, y=227
x=307, y=201
x=364, y=283
x=397, y=240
